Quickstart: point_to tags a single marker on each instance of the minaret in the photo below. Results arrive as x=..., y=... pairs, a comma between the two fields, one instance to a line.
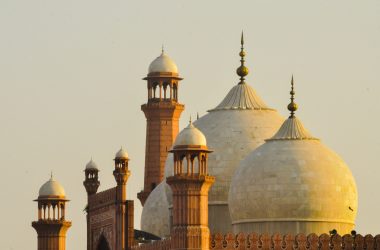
x=51, y=226
x=121, y=174
x=190, y=185
x=91, y=183
x=162, y=112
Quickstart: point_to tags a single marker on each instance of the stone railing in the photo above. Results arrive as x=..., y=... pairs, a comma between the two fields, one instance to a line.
x=298, y=242
x=155, y=245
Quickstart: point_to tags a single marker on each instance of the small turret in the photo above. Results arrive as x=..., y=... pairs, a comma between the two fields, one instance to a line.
x=91, y=182
x=51, y=225
x=121, y=171
x=190, y=185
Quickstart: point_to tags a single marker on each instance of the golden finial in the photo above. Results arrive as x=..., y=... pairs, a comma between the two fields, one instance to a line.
x=292, y=107
x=242, y=71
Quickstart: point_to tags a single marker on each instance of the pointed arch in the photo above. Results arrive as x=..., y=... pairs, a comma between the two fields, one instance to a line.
x=103, y=244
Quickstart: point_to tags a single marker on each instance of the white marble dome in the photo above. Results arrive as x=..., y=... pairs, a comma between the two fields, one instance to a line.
x=163, y=64
x=292, y=184
x=121, y=154
x=51, y=189
x=239, y=124
x=156, y=215
x=91, y=165
x=190, y=136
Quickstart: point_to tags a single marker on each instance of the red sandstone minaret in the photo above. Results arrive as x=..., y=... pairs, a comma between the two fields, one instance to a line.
x=121, y=174
x=91, y=183
x=190, y=185
x=162, y=112
x=51, y=226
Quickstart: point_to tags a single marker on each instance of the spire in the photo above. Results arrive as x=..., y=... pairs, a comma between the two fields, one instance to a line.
x=162, y=49
x=242, y=71
x=292, y=107
x=197, y=115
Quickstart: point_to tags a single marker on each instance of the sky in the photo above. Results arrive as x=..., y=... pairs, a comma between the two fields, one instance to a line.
x=71, y=87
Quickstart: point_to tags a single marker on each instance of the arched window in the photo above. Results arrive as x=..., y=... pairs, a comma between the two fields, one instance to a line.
x=103, y=244
x=195, y=164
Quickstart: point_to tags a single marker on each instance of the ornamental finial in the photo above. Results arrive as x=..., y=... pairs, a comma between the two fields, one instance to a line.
x=292, y=107
x=242, y=71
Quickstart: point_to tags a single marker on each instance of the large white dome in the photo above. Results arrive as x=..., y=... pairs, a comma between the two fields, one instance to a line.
x=163, y=64
x=239, y=124
x=155, y=215
x=293, y=184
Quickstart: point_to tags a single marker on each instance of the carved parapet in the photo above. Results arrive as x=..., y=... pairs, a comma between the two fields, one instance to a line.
x=155, y=245
x=103, y=198
x=299, y=242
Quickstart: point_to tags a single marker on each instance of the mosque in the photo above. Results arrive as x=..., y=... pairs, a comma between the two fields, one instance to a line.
x=240, y=177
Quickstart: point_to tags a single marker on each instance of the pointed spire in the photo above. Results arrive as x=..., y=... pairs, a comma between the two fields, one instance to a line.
x=197, y=115
x=242, y=71
x=292, y=107
x=51, y=175
x=190, y=122
x=162, y=49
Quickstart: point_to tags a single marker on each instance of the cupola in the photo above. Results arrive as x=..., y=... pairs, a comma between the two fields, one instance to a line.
x=190, y=136
x=121, y=154
x=51, y=189
x=163, y=64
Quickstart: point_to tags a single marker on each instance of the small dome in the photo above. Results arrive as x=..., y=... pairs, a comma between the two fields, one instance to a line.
x=163, y=64
x=292, y=184
x=51, y=189
x=91, y=165
x=190, y=136
x=121, y=154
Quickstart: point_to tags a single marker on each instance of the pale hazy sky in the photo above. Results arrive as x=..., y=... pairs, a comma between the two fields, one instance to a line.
x=71, y=88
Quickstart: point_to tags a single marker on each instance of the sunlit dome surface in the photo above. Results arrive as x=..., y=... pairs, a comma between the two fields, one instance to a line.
x=163, y=64
x=121, y=154
x=51, y=188
x=190, y=136
x=291, y=184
